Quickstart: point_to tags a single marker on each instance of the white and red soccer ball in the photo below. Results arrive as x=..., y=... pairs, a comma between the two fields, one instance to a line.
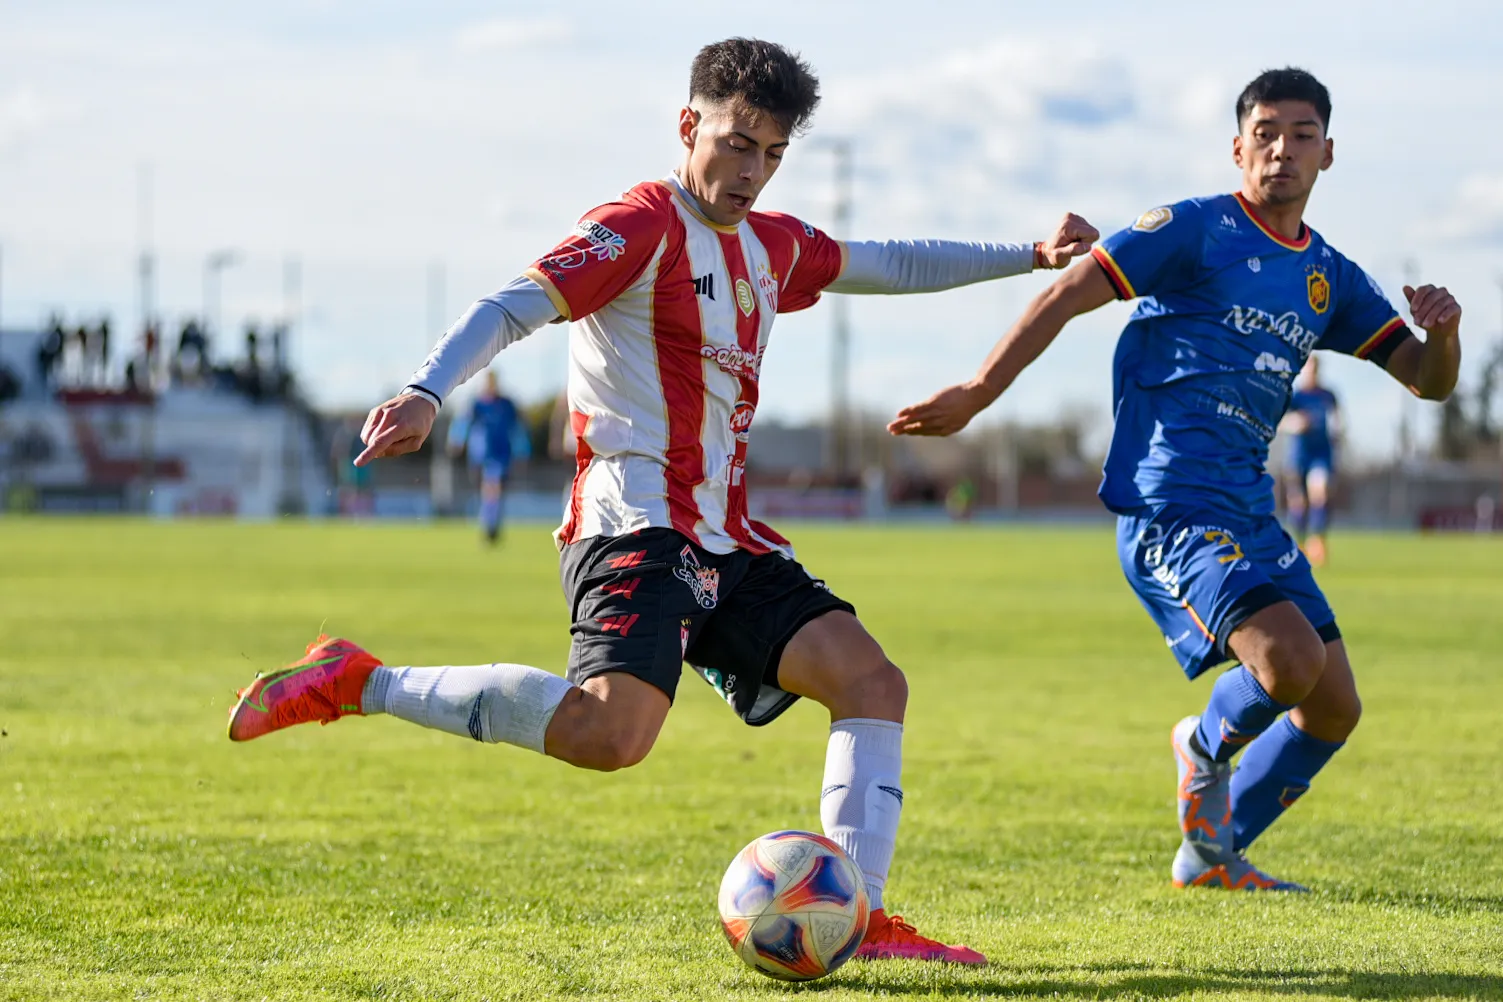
x=793, y=905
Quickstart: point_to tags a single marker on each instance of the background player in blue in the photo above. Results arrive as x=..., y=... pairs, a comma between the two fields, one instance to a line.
x=1313, y=422
x=492, y=436
x=1234, y=293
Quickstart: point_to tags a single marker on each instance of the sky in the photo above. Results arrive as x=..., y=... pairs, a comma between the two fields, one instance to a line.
x=382, y=144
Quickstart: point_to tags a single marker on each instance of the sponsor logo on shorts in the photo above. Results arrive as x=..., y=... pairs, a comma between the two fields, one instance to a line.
x=703, y=581
x=621, y=561
x=1168, y=577
x=723, y=684
x=735, y=360
x=1289, y=559
x=624, y=589
x=622, y=624
x=683, y=637
x=1172, y=642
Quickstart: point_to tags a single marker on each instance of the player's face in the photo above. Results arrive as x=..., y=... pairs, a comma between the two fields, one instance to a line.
x=1282, y=150
x=732, y=151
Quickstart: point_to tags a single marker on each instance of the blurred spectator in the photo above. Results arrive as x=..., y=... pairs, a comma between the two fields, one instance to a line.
x=50, y=353
x=191, y=339
x=99, y=367
x=355, y=495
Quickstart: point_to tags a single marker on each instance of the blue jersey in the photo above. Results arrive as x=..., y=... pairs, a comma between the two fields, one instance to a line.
x=493, y=427
x=1229, y=312
x=1317, y=406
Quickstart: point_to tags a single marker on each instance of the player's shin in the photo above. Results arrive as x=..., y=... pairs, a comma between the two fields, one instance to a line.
x=495, y=703
x=1318, y=519
x=1275, y=771
x=1239, y=710
x=862, y=795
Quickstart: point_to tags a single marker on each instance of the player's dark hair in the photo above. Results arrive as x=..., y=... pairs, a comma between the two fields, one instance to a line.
x=1287, y=84
x=765, y=75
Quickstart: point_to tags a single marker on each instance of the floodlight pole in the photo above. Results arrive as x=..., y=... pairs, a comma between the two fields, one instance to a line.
x=214, y=263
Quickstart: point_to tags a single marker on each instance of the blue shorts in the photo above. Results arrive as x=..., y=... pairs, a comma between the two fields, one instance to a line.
x=1202, y=574
x=494, y=470
x=1303, y=462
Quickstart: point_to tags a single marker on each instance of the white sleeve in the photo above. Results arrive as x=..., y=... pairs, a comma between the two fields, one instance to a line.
x=494, y=322
x=898, y=266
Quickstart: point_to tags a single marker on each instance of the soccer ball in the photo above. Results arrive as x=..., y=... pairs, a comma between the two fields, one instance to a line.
x=793, y=906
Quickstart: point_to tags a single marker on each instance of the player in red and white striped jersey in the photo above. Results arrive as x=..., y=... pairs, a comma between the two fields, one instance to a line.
x=671, y=292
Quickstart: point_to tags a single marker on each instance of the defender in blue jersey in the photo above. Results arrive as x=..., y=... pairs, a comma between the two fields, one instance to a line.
x=1234, y=292
x=492, y=436
x=1313, y=422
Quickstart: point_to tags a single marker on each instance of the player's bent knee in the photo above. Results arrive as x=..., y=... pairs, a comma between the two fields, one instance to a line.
x=1297, y=663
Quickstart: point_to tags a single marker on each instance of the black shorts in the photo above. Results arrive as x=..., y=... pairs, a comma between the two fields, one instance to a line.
x=645, y=603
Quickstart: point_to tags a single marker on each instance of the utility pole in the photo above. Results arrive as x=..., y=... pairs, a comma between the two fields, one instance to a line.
x=146, y=264
x=840, y=349
x=214, y=264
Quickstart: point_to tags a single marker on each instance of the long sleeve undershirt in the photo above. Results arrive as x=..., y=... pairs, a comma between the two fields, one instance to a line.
x=891, y=267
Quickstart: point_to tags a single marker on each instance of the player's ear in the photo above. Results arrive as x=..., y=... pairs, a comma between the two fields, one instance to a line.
x=688, y=122
x=1237, y=149
x=1330, y=154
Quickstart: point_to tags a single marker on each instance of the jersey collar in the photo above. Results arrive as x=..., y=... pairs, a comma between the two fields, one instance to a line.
x=675, y=185
x=1268, y=231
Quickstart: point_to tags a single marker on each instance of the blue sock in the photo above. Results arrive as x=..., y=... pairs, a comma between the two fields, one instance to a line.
x=490, y=516
x=1318, y=520
x=1274, y=773
x=1238, y=712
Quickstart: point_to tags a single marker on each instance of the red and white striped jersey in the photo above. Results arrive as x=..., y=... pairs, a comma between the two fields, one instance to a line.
x=670, y=316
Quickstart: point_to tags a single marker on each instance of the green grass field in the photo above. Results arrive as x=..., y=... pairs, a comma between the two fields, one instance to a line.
x=142, y=856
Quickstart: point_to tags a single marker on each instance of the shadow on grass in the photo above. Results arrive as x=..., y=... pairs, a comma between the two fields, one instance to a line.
x=1111, y=981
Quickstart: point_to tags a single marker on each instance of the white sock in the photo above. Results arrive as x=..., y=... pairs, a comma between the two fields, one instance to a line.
x=500, y=702
x=863, y=796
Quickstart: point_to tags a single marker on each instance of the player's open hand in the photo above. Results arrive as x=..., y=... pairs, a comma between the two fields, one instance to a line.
x=945, y=413
x=1073, y=238
x=1435, y=310
x=397, y=427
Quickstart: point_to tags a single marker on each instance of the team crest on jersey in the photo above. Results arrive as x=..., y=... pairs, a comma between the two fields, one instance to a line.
x=1319, y=289
x=744, y=297
x=1153, y=219
x=768, y=283
x=703, y=581
x=1254, y=265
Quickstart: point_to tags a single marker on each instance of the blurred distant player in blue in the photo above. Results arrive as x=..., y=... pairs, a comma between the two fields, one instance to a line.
x=1235, y=294
x=1313, y=422
x=493, y=436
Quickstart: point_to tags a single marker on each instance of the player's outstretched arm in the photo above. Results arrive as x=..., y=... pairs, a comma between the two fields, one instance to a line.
x=401, y=425
x=904, y=266
x=1430, y=367
x=1080, y=290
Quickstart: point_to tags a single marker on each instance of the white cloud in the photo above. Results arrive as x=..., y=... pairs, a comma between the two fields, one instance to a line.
x=1476, y=212
x=512, y=33
x=21, y=111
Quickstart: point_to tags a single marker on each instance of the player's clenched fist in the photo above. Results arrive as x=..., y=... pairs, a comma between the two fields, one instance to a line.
x=1435, y=310
x=1073, y=238
x=397, y=427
